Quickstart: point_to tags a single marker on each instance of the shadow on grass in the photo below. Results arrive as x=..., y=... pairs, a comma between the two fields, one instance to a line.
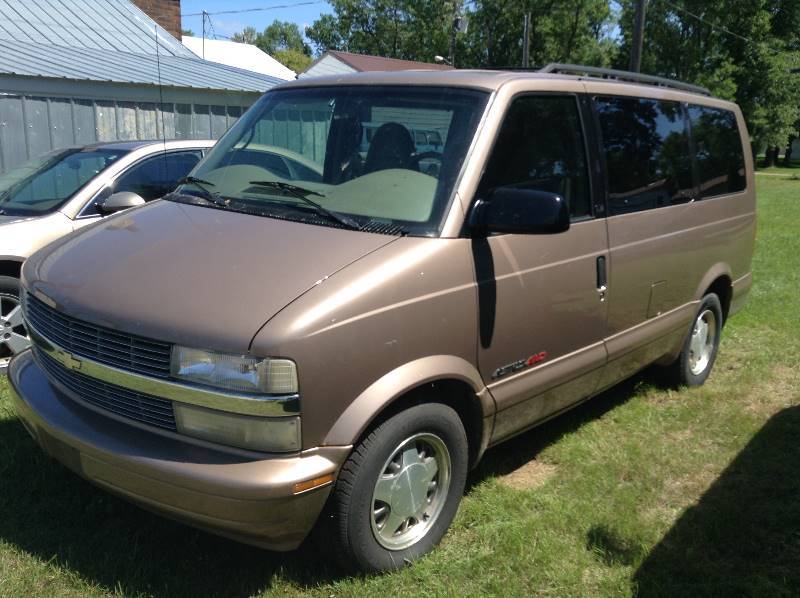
x=742, y=538
x=516, y=452
x=50, y=513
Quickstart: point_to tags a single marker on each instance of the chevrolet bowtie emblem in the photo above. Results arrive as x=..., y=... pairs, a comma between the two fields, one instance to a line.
x=70, y=360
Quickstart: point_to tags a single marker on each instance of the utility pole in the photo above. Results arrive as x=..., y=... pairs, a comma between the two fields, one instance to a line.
x=204, y=35
x=638, y=36
x=453, y=29
x=526, y=42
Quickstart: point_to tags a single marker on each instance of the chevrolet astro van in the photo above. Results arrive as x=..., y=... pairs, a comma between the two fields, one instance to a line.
x=269, y=349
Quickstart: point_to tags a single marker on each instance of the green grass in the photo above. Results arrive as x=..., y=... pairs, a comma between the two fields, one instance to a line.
x=640, y=491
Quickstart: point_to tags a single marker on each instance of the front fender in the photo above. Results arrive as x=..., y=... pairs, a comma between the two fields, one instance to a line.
x=381, y=393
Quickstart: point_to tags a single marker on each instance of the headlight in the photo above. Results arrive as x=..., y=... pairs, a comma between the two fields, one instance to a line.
x=278, y=434
x=239, y=373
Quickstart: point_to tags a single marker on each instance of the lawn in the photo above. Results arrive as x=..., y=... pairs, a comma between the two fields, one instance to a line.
x=640, y=491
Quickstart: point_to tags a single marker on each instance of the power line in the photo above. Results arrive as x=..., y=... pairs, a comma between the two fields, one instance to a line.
x=709, y=23
x=261, y=9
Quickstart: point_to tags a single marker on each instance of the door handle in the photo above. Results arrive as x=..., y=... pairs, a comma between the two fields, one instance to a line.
x=602, y=277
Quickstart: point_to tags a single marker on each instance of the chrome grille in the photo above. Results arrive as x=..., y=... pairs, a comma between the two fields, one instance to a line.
x=106, y=346
x=133, y=405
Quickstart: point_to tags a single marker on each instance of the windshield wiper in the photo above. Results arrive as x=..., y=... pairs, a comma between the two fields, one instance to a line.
x=208, y=194
x=302, y=194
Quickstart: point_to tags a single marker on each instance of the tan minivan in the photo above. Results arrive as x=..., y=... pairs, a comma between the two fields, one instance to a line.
x=336, y=337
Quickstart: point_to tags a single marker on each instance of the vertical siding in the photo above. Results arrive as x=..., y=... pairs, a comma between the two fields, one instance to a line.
x=33, y=125
x=37, y=125
x=84, y=125
x=13, y=148
x=301, y=131
x=146, y=121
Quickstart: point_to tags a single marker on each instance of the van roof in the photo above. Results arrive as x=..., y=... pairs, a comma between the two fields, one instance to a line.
x=491, y=80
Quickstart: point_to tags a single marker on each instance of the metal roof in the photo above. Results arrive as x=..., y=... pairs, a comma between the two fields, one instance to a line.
x=94, y=64
x=116, y=25
x=243, y=56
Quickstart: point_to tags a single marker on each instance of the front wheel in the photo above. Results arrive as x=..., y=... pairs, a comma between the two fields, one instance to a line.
x=400, y=489
x=13, y=335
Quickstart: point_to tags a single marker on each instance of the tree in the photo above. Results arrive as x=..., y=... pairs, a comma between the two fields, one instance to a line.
x=293, y=59
x=187, y=33
x=562, y=30
x=247, y=36
x=740, y=49
x=282, y=35
x=281, y=40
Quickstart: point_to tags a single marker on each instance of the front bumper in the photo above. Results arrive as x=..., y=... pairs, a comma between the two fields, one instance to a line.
x=244, y=496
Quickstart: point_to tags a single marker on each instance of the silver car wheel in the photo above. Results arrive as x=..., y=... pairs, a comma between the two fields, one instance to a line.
x=13, y=336
x=703, y=342
x=410, y=491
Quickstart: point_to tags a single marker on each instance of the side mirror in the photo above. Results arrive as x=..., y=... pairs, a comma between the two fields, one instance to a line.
x=520, y=211
x=120, y=201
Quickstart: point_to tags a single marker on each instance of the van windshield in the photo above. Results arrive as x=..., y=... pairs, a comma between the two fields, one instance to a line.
x=44, y=184
x=385, y=158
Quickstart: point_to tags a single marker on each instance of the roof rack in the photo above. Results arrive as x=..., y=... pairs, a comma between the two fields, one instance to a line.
x=593, y=71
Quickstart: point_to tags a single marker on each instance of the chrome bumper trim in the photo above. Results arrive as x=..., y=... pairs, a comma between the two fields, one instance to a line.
x=262, y=405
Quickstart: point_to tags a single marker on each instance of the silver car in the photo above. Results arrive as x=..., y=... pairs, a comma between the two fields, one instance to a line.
x=66, y=189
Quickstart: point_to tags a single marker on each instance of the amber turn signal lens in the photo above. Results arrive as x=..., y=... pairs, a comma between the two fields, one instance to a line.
x=311, y=484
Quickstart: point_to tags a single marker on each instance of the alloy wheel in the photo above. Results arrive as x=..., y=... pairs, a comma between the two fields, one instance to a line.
x=410, y=491
x=13, y=335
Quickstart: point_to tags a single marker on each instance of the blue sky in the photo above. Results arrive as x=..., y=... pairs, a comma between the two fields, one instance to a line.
x=228, y=24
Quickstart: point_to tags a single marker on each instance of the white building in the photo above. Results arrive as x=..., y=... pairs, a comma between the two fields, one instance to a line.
x=336, y=62
x=73, y=73
x=242, y=56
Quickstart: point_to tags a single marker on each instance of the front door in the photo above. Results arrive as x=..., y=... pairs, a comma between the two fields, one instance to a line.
x=542, y=311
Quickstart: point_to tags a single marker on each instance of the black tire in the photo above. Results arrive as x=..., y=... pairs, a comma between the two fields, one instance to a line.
x=9, y=286
x=680, y=373
x=9, y=289
x=355, y=544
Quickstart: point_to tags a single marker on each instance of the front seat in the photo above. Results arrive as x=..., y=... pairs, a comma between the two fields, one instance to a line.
x=342, y=160
x=391, y=147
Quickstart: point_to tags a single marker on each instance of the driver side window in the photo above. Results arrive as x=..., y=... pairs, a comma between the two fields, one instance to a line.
x=540, y=147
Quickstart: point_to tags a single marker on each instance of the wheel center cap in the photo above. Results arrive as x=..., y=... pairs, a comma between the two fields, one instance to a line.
x=410, y=490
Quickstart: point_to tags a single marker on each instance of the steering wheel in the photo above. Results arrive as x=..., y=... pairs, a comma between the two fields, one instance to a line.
x=431, y=169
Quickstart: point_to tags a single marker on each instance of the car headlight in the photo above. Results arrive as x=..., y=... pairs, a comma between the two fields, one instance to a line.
x=240, y=373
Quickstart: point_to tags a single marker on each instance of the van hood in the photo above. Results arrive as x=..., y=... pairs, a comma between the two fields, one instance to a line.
x=191, y=275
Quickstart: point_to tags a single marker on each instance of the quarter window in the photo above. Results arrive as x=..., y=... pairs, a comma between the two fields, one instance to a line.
x=541, y=147
x=646, y=147
x=718, y=151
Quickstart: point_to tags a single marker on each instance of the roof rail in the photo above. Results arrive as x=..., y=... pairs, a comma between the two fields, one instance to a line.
x=593, y=71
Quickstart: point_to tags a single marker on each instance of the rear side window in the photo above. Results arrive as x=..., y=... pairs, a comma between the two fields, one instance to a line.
x=646, y=147
x=718, y=151
x=540, y=146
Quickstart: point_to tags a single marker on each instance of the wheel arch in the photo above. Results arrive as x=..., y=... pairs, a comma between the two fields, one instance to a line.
x=11, y=266
x=718, y=280
x=445, y=379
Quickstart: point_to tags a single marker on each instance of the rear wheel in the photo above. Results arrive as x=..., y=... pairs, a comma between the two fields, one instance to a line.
x=398, y=492
x=699, y=352
x=13, y=335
